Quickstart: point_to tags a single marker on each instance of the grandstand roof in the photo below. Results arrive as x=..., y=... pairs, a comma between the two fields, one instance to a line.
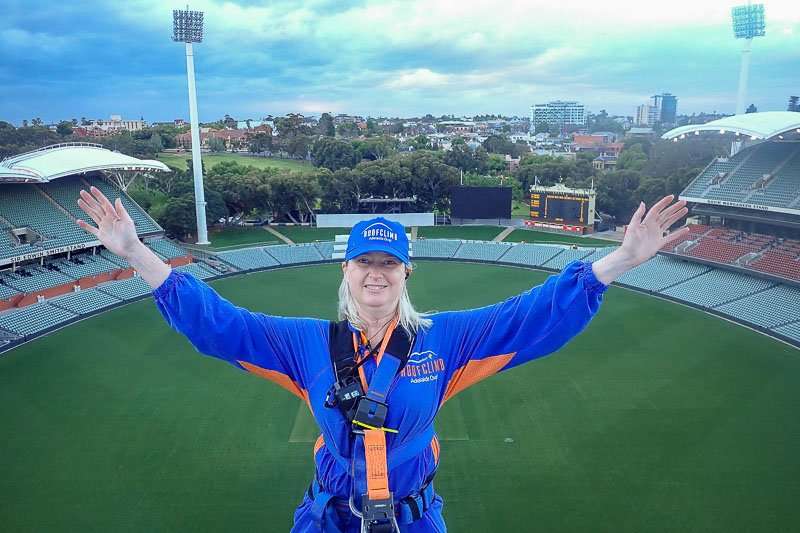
x=757, y=125
x=60, y=160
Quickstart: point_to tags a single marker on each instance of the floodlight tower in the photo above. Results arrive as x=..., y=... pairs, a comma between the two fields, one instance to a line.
x=748, y=22
x=187, y=27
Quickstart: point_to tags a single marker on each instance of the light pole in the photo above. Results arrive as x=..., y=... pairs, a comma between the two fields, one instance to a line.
x=187, y=27
x=748, y=22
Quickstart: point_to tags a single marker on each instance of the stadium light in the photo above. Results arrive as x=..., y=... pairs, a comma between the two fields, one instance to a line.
x=187, y=27
x=748, y=22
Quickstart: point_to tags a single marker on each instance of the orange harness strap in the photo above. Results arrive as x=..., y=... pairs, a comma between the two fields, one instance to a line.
x=375, y=439
x=377, y=470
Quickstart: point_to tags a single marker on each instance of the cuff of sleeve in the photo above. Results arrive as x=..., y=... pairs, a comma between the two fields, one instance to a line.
x=590, y=281
x=162, y=290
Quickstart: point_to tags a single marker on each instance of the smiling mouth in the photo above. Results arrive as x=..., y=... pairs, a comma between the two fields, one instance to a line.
x=375, y=287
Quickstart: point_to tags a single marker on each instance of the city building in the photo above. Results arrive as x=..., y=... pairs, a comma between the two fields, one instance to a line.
x=558, y=113
x=668, y=107
x=603, y=142
x=646, y=115
x=604, y=162
x=115, y=123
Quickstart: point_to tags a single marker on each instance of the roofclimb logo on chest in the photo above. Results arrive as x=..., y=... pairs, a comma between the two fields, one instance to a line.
x=423, y=367
x=379, y=232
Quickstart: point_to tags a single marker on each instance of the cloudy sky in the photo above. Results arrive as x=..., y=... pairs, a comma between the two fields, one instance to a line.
x=62, y=59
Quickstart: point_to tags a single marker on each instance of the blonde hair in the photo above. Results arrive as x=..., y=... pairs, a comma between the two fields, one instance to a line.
x=409, y=318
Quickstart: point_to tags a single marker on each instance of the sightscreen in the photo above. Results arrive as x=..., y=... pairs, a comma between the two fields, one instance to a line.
x=481, y=202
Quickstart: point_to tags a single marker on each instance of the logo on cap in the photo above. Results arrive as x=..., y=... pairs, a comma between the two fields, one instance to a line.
x=379, y=232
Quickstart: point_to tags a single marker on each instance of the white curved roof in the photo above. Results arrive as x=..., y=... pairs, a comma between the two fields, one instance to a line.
x=757, y=125
x=61, y=160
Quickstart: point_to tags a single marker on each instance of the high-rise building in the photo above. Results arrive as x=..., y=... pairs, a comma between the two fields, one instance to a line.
x=668, y=107
x=558, y=113
x=646, y=115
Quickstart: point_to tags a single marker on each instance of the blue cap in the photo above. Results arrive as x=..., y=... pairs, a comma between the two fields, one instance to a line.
x=378, y=235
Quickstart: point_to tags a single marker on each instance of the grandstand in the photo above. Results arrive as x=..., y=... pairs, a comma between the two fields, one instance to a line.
x=55, y=273
x=748, y=204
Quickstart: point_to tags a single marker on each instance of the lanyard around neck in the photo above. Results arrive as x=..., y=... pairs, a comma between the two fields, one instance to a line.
x=384, y=344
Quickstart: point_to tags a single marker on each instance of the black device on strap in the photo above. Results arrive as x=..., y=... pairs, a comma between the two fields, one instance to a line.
x=347, y=391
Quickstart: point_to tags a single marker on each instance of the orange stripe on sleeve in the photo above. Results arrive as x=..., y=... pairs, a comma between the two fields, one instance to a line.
x=277, y=377
x=319, y=444
x=435, y=448
x=474, y=371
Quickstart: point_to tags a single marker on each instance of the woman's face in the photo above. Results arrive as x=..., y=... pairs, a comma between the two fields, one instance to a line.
x=376, y=280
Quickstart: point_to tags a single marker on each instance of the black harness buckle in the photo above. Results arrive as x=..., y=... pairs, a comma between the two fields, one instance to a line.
x=378, y=516
x=370, y=414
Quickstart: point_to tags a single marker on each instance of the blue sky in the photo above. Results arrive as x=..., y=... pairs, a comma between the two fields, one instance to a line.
x=385, y=58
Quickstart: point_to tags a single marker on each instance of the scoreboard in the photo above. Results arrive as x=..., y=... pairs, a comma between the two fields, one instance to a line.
x=560, y=205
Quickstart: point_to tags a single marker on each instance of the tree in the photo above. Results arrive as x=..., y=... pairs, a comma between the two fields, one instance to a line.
x=751, y=109
x=215, y=144
x=64, y=128
x=460, y=156
x=420, y=142
x=633, y=158
x=179, y=218
x=261, y=142
x=372, y=127
x=616, y=193
x=229, y=122
x=375, y=148
x=542, y=127
x=325, y=126
x=498, y=144
x=347, y=129
x=156, y=143
x=333, y=154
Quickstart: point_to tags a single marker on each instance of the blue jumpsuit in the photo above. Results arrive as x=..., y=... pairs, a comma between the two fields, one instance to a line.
x=460, y=349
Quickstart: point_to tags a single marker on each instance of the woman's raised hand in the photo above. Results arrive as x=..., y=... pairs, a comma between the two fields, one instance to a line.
x=115, y=229
x=646, y=234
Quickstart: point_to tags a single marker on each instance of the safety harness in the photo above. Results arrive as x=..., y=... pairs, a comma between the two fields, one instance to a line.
x=365, y=408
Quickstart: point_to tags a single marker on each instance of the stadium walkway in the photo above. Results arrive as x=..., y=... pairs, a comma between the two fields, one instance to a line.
x=278, y=234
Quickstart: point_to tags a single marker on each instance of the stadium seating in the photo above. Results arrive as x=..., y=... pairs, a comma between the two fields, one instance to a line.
x=436, y=248
x=717, y=287
x=114, y=258
x=197, y=270
x=791, y=330
x=719, y=250
x=144, y=224
x=784, y=188
x=36, y=278
x=698, y=186
x=287, y=254
x=566, y=257
x=6, y=291
x=661, y=272
x=599, y=253
x=126, y=289
x=778, y=263
x=755, y=163
x=325, y=249
x=166, y=248
x=248, y=258
x=65, y=191
x=772, y=307
x=531, y=254
x=24, y=205
x=34, y=318
x=482, y=251
x=84, y=301
x=86, y=264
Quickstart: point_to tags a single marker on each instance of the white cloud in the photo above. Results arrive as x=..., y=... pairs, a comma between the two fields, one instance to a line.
x=422, y=78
